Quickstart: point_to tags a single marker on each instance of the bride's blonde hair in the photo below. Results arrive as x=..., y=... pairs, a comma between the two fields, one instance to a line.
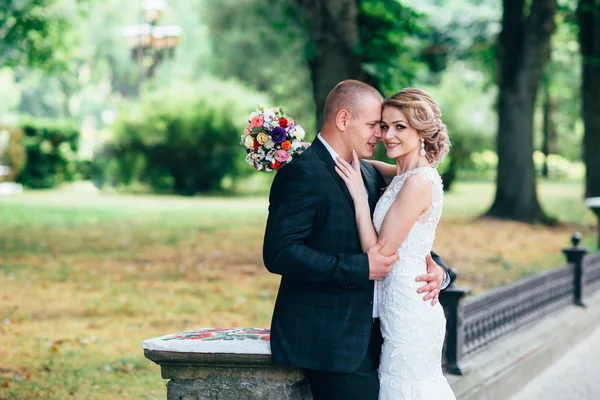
x=424, y=115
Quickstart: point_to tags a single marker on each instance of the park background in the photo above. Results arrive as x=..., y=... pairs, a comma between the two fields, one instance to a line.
x=139, y=216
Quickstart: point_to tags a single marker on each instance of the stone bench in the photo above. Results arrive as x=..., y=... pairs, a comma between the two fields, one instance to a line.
x=224, y=364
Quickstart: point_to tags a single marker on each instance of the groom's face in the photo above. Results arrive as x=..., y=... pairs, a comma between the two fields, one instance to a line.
x=364, y=128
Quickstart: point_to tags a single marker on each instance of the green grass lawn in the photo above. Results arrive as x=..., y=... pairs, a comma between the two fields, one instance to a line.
x=85, y=277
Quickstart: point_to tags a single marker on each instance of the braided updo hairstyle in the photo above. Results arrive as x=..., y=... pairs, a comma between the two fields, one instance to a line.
x=425, y=117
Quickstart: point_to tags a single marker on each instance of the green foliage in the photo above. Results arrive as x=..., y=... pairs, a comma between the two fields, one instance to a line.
x=454, y=30
x=183, y=139
x=263, y=43
x=34, y=32
x=389, y=53
x=564, y=83
x=51, y=147
x=558, y=166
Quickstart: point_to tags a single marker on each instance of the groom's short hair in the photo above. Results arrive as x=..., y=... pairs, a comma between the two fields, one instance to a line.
x=348, y=95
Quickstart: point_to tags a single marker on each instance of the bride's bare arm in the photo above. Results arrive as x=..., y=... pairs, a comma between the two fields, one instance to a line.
x=388, y=171
x=385, y=169
x=413, y=200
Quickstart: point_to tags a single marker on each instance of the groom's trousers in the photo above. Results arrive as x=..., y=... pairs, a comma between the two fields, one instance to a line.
x=362, y=384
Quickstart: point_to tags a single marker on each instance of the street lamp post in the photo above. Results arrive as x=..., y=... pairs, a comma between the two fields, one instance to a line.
x=149, y=42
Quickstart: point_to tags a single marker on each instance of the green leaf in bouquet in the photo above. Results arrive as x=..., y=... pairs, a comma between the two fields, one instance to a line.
x=257, y=129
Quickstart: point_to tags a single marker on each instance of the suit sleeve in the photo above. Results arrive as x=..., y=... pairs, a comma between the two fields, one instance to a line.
x=293, y=217
x=438, y=260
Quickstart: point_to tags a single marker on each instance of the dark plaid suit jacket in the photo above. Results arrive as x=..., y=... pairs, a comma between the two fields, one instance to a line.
x=323, y=312
x=322, y=316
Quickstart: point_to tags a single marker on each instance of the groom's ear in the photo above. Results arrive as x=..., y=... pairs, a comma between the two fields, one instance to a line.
x=341, y=119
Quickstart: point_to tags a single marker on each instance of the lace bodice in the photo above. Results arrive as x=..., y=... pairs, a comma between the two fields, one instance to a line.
x=421, y=236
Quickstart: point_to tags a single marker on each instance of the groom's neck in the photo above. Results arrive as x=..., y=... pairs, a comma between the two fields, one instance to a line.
x=335, y=140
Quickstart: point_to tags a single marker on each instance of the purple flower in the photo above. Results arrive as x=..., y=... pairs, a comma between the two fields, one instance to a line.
x=277, y=134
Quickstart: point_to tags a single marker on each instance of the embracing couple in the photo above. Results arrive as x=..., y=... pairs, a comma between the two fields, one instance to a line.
x=357, y=306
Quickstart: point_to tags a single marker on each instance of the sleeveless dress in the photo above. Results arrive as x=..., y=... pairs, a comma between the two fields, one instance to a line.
x=413, y=331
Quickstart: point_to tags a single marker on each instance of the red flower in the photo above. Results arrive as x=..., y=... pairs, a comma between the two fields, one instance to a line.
x=256, y=144
x=284, y=123
x=276, y=165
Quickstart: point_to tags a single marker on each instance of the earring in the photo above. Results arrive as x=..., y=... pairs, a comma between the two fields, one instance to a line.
x=422, y=152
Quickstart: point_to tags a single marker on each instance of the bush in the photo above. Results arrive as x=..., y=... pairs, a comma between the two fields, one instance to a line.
x=558, y=167
x=51, y=147
x=183, y=139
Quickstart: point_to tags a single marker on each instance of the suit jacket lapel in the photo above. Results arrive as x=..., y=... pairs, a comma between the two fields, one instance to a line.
x=371, y=185
x=324, y=155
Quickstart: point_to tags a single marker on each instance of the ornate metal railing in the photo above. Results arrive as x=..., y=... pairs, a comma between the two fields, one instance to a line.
x=477, y=321
x=491, y=315
x=591, y=273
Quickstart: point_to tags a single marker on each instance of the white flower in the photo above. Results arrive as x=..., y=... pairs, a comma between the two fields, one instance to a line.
x=299, y=132
x=270, y=156
x=270, y=144
x=249, y=142
x=296, y=144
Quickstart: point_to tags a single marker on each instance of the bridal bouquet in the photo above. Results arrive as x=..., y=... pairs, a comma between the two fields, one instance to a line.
x=271, y=139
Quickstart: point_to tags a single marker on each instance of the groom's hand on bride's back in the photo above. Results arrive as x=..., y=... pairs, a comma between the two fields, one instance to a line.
x=380, y=265
x=434, y=278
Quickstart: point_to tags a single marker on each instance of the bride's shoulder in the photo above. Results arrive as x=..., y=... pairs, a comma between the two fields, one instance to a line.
x=419, y=181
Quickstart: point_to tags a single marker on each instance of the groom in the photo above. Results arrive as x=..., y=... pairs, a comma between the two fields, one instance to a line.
x=326, y=317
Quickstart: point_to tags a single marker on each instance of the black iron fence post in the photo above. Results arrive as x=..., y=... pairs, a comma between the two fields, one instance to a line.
x=575, y=256
x=452, y=301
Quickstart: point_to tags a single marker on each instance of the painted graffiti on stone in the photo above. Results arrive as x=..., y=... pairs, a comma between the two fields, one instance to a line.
x=210, y=334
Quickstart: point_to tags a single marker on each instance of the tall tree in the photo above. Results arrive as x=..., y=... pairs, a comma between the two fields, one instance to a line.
x=523, y=50
x=333, y=26
x=588, y=13
x=361, y=39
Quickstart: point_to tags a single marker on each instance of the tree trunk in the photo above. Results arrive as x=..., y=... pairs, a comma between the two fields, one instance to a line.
x=549, y=128
x=334, y=36
x=588, y=14
x=523, y=51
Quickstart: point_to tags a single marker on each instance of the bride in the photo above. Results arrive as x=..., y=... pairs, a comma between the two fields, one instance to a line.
x=407, y=215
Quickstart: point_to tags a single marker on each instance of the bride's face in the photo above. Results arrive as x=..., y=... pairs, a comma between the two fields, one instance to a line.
x=398, y=136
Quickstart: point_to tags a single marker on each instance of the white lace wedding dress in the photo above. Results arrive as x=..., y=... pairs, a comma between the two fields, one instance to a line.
x=413, y=330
